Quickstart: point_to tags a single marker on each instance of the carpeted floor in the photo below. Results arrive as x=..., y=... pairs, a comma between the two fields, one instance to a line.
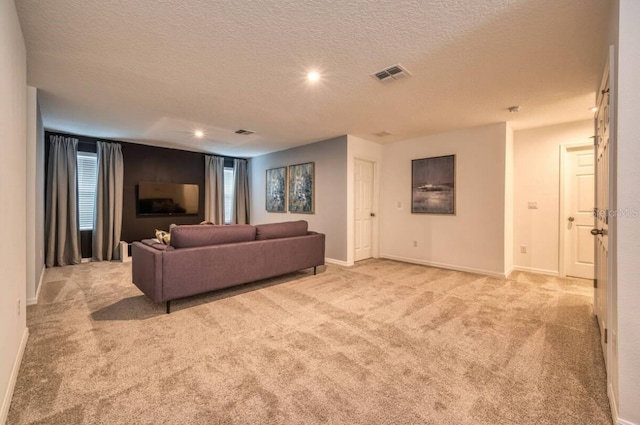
x=379, y=343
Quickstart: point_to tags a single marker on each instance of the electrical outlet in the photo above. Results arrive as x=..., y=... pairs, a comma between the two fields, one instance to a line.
x=415, y=244
x=523, y=249
x=399, y=204
x=533, y=205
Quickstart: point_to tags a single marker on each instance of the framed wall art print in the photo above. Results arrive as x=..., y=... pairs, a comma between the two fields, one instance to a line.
x=276, y=190
x=433, y=185
x=301, y=188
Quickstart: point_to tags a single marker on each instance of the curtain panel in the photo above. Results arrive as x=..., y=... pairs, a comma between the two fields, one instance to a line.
x=214, y=189
x=241, y=206
x=62, y=232
x=107, y=217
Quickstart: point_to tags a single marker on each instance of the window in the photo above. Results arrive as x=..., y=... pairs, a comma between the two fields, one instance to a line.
x=228, y=194
x=87, y=182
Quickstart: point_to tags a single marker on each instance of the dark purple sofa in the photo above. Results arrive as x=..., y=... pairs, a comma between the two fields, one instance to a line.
x=203, y=258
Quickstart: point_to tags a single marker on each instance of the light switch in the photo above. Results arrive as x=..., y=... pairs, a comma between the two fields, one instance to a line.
x=533, y=205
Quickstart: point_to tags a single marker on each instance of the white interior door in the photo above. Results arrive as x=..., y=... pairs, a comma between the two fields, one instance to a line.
x=579, y=202
x=601, y=229
x=364, y=213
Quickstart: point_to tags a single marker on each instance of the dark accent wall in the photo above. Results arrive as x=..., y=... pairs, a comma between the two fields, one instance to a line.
x=148, y=164
x=144, y=163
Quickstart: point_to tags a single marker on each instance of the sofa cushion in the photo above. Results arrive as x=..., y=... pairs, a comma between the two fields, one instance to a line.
x=286, y=229
x=203, y=235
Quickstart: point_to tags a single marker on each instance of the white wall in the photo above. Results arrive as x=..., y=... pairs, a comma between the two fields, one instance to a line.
x=362, y=149
x=537, y=179
x=330, y=157
x=35, y=195
x=627, y=247
x=473, y=239
x=13, y=136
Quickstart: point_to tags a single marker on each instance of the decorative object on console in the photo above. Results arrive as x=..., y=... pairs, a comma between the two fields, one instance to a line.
x=433, y=185
x=163, y=237
x=275, y=190
x=301, y=188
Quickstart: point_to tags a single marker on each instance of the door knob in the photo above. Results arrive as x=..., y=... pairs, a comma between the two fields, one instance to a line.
x=372, y=214
x=571, y=219
x=596, y=232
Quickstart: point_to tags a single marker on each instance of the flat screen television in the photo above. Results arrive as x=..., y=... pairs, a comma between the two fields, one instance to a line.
x=166, y=199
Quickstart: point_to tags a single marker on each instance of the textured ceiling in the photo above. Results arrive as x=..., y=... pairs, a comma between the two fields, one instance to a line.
x=154, y=71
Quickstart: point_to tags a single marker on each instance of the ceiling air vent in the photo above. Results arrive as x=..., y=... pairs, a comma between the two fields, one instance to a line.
x=244, y=132
x=383, y=133
x=391, y=73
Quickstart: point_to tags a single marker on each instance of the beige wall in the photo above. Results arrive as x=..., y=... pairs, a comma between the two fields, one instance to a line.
x=627, y=238
x=13, y=124
x=508, y=200
x=537, y=179
x=473, y=239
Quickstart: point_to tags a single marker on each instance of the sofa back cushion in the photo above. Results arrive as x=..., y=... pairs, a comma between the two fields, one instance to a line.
x=286, y=229
x=203, y=235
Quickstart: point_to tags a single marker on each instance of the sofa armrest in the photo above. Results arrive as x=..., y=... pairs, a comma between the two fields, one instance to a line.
x=147, y=269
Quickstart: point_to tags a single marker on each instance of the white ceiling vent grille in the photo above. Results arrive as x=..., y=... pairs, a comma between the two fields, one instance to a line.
x=383, y=133
x=244, y=132
x=391, y=73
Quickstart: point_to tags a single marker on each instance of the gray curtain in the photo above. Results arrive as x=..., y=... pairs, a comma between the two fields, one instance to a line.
x=240, y=210
x=214, y=189
x=107, y=217
x=62, y=232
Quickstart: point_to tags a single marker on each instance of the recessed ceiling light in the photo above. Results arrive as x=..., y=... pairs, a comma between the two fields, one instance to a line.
x=313, y=76
x=594, y=109
x=199, y=134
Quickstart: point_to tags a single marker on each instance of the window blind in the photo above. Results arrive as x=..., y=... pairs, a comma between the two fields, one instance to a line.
x=87, y=182
x=228, y=194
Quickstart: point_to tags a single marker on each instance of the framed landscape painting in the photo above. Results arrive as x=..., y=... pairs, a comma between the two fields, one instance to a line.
x=433, y=185
x=301, y=185
x=276, y=185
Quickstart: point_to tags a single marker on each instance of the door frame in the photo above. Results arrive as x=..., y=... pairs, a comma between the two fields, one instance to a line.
x=564, y=154
x=375, y=226
x=612, y=283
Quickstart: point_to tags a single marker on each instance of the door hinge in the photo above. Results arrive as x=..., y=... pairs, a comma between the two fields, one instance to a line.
x=606, y=217
x=606, y=335
x=595, y=283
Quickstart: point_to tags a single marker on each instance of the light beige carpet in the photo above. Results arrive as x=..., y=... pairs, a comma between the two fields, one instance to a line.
x=379, y=343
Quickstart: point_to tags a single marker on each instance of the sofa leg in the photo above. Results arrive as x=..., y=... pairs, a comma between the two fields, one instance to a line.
x=315, y=270
x=168, y=306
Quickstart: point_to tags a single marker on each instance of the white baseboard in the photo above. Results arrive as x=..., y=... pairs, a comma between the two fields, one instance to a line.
x=34, y=300
x=613, y=403
x=534, y=270
x=443, y=266
x=509, y=271
x=6, y=403
x=338, y=262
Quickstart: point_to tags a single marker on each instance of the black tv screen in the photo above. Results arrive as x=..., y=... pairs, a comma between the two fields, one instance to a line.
x=167, y=199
